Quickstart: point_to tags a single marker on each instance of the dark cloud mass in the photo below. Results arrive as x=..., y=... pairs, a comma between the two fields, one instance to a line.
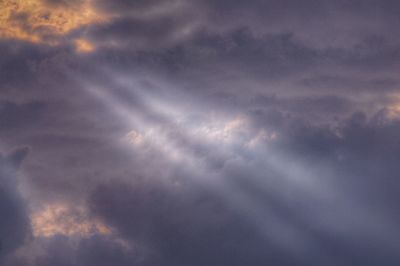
x=14, y=225
x=199, y=133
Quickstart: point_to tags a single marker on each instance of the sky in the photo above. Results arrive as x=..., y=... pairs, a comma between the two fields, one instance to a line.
x=199, y=132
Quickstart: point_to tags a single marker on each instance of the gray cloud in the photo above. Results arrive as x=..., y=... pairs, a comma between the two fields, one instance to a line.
x=264, y=132
x=14, y=225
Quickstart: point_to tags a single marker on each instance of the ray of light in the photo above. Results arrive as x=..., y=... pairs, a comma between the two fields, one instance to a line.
x=260, y=215
x=220, y=137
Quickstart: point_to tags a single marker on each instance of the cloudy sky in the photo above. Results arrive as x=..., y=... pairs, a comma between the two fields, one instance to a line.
x=199, y=132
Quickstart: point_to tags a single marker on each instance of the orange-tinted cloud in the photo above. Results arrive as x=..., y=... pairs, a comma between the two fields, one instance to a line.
x=83, y=46
x=64, y=220
x=42, y=22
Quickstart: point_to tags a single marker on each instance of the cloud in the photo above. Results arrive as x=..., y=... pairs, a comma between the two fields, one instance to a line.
x=44, y=22
x=64, y=220
x=14, y=225
x=200, y=132
x=61, y=250
x=179, y=228
x=19, y=116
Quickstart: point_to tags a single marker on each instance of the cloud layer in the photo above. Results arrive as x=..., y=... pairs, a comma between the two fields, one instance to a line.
x=199, y=133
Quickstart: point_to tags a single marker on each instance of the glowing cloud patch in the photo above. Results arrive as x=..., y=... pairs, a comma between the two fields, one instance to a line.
x=63, y=220
x=263, y=136
x=83, y=46
x=135, y=137
x=35, y=21
x=394, y=111
x=224, y=132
